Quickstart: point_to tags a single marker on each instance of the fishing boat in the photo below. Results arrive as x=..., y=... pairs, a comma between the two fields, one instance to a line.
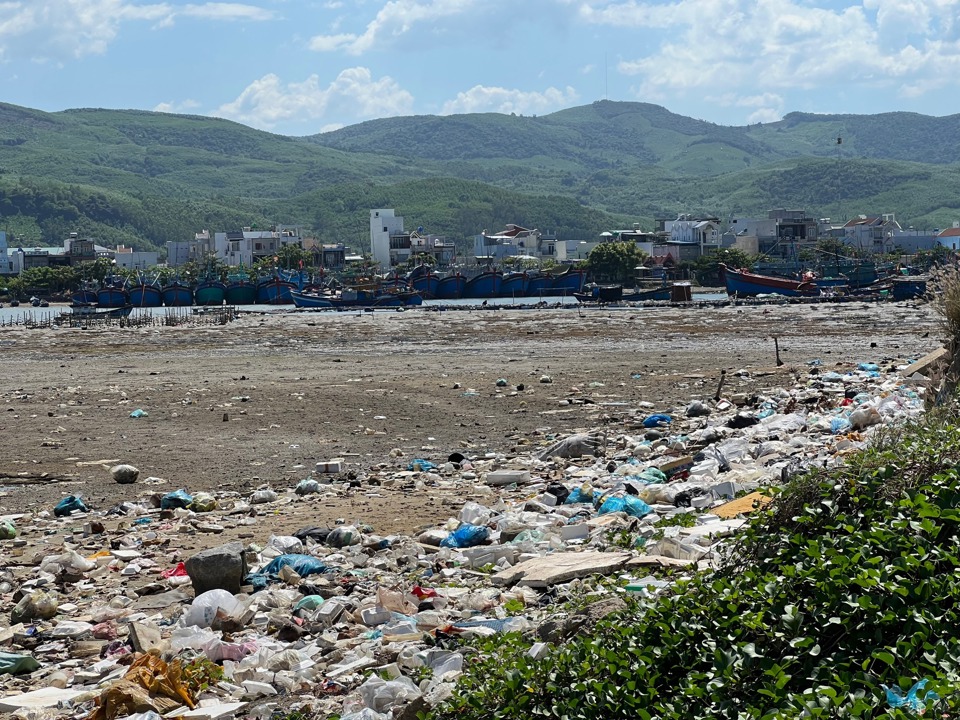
x=651, y=294
x=210, y=291
x=539, y=284
x=451, y=287
x=483, y=286
x=742, y=283
x=310, y=300
x=241, y=290
x=513, y=284
x=569, y=281
x=424, y=280
x=86, y=294
x=600, y=294
x=364, y=297
x=275, y=290
x=86, y=311
x=145, y=294
x=176, y=293
x=910, y=287
x=112, y=293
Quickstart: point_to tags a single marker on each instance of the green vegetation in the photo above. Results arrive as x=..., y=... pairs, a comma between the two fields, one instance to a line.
x=615, y=262
x=707, y=267
x=847, y=584
x=142, y=178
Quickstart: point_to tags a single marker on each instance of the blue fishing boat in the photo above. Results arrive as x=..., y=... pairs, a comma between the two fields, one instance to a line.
x=310, y=300
x=451, y=287
x=176, y=293
x=910, y=287
x=424, y=280
x=539, y=284
x=112, y=293
x=87, y=294
x=275, y=290
x=569, y=281
x=363, y=297
x=485, y=285
x=513, y=284
x=741, y=283
x=145, y=294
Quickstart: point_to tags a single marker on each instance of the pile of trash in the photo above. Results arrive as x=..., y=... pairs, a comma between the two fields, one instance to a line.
x=99, y=623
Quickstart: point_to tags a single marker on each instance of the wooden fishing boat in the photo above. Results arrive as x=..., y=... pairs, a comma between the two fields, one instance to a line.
x=742, y=283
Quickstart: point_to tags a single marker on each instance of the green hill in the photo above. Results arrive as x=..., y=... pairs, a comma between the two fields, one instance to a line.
x=144, y=178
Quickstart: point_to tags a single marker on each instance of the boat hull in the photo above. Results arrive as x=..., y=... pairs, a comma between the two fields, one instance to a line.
x=745, y=284
x=177, y=295
x=275, y=292
x=660, y=293
x=513, y=285
x=483, y=286
x=427, y=285
x=145, y=295
x=241, y=292
x=84, y=297
x=451, y=287
x=539, y=286
x=569, y=282
x=112, y=297
x=209, y=293
x=310, y=301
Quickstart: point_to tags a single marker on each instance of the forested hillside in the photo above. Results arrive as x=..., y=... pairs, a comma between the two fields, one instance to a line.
x=144, y=178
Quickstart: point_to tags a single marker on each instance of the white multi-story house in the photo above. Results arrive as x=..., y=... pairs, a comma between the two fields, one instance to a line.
x=519, y=242
x=390, y=245
x=248, y=245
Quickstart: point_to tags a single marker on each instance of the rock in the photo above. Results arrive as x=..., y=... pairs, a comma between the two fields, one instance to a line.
x=124, y=474
x=222, y=567
x=592, y=614
x=543, y=572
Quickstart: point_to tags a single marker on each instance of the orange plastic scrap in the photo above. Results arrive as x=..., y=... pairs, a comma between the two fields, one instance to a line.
x=159, y=678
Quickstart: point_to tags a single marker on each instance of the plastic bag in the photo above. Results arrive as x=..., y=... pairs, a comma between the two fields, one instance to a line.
x=384, y=695
x=70, y=504
x=38, y=604
x=343, y=536
x=176, y=499
x=840, y=425
x=420, y=465
x=8, y=530
x=657, y=420
x=630, y=504
x=307, y=486
x=302, y=565
x=203, y=502
x=466, y=536
x=204, y=608
x=263, y=496
x=13, y=664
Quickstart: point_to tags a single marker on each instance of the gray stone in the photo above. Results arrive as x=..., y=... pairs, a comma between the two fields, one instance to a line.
x=543, y=572
x=222, y=567
x=125, y=474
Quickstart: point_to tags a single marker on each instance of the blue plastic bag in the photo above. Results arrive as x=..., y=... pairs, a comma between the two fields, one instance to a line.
x=466, y=536
x=176, y=499
x=840, y=425
x=867, y=366
x=657, y=420
x=421, y=465
x=302, y=565
x=630, y=504
x=70, y=504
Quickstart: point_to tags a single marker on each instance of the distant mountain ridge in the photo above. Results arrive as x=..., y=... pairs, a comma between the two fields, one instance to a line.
x=143, y=177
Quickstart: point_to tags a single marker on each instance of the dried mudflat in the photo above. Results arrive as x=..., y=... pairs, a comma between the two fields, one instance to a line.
x=262, y=399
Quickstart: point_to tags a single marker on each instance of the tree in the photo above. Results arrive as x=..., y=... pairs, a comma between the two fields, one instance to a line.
x=615, y=262
x=707, y=267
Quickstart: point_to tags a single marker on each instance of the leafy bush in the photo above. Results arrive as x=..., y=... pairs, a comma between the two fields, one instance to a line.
x=847, y=583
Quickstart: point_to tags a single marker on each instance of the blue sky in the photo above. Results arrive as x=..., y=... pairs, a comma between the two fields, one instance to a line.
x=299, y=67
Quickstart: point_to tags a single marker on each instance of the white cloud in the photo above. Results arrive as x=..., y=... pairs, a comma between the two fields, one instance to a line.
x=724, y=46
x=177, y=107
x=57, y=29
x=502, y=100
x=353, y=96
x=395, y=18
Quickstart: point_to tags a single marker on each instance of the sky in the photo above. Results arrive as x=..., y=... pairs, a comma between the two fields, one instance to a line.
x=299, y=67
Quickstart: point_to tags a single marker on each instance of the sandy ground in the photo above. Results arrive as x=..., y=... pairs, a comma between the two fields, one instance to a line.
x=262, y=399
